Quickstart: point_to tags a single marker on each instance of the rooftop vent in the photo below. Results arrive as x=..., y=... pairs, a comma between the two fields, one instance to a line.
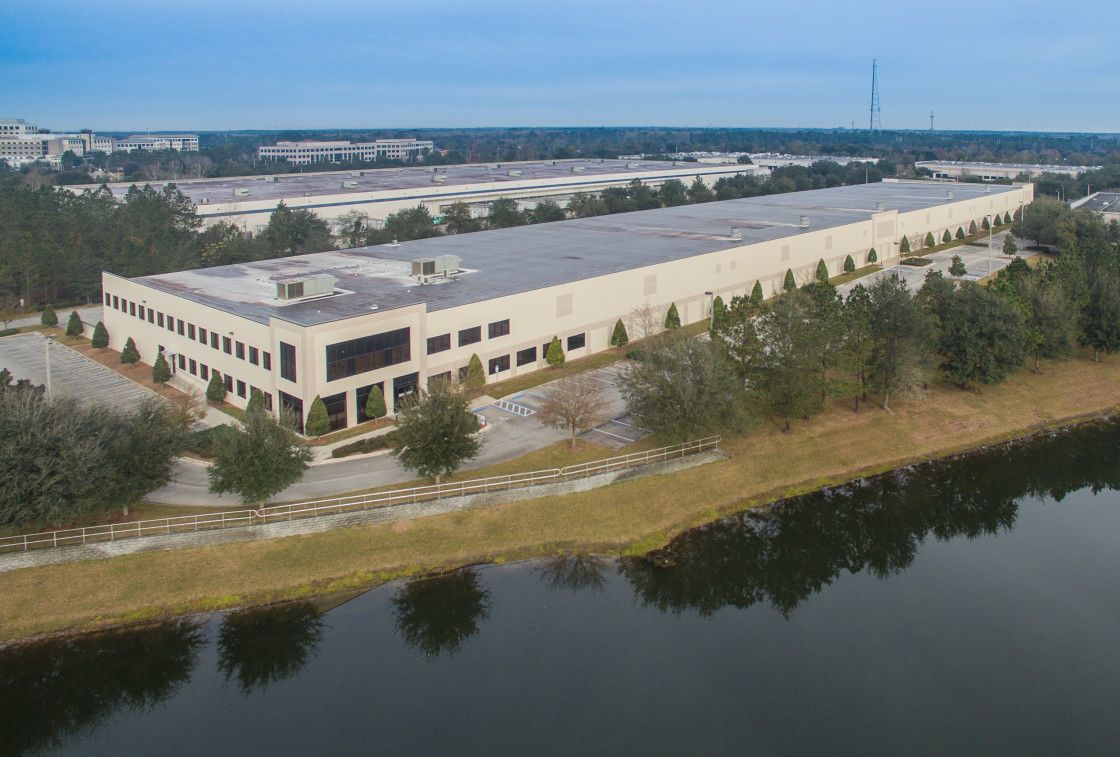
x=736, y=234
x=240, y=192
x=632, y=165
x=804, y=222
x=578, y=169
x=513, y=173
x=204, y=201
x=349, y=184
x=550, y=162
x=444, y=265
x=987, y=187
x=879, y=207
x=430, y=169
x=305, y=286
x=271, y=179
x=949, y=195
x=439, y=178
x=306, y=194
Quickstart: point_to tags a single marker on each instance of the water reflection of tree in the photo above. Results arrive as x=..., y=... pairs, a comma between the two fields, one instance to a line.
x=260, y=647
x=573, y=571
x=784, y=556
x=439, y=614
x=53, y=691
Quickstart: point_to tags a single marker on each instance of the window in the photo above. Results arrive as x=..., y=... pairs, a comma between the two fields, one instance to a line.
x=182, y=363
x=361, y=394
x=470, y=336
x=524, y=357
x=170, y=323
x=108, y=300
x=204, y=372
x=132, y=308
x=336, y=410
x=227, y=345
x=499, y=364
x=404, y=386
x=240, y=350
x=577, y=341
x=240, y=388
x=151, y=316
x=214, y=339
x=268, y=401
x=193, y=367
x=439, y=343
x=181, y=328
x=499, y=328
x=159, y=320
x=254, y=356
x=439, y=379
x=368, y=353
x=190, y=331
x=116, y=302
x=201, y=335
x=266, y=361
x=288, y=363
x=228, y=381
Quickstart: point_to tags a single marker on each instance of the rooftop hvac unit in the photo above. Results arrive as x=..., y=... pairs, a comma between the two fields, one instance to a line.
x=271, y=179
x=439, y=178
x=241, y=193
x=879, y=207
x=430, y=169
x=444, y=265
x=804, y=222
x=306, y=194
x=513, y=173
x=305, y=286
x=949, y=195
x=349, y=184
x=550, y=162
x=632, y=165
x=578, y=169
x=736, y=234
x=987, y=187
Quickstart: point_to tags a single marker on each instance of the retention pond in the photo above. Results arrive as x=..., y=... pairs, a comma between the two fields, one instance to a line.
x=964, y=606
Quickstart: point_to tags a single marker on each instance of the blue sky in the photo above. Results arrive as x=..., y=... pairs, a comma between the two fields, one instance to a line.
x=203, y=65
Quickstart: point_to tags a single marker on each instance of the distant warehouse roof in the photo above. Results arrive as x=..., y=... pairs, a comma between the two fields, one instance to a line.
x=510, y=261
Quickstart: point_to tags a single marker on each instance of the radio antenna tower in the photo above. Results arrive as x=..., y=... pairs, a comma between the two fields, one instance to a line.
x=876, y=121
x=931, y=120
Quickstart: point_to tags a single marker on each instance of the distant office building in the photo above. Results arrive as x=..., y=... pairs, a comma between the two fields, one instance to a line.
x=311, y=151
x=1105, y=203
x=153, y=142
x=952, y=169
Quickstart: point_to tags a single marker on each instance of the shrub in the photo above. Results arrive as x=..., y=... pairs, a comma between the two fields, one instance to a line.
x=972, y=227
x=822, y=271
x=789, y=284
x=49, y=318
x=619, y=337
x=637, y=354
x=756, y=293
x=216, y=389
x=904, y=247
x=984, y=224
x=8, y=332
x=201, y=442
x=946, y=238
x=1007, y=218
x=849, y=265
x=672, y=318
x=930, y=241
x=374, y=443
x=318, y=422
x=74, y=325
x=555, y=354
x=256, y=402
x=476, y=376
x=161, y=371
x=100, y=336
x=960, y=232
x=957, y=267
x=375, y=405
x=872, y=257
x=1009, y=246
x=130, y=355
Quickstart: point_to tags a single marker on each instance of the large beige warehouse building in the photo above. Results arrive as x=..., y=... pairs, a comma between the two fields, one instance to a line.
x=341, y=324
x=248, y=201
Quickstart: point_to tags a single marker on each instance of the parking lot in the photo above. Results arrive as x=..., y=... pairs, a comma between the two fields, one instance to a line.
x=71, y=373
x=615, y=433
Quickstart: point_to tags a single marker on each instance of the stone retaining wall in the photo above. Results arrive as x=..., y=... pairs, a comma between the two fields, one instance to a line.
x=386, y=514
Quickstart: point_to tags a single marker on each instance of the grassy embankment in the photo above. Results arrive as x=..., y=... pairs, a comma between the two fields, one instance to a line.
x=633, y=516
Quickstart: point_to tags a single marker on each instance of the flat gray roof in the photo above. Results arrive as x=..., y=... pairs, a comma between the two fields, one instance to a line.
x=1103, y=202
x=220, y=191
x=510, y=261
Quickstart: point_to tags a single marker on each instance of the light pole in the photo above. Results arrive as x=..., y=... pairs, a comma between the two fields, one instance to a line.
x=989, y=246
x=47, y=352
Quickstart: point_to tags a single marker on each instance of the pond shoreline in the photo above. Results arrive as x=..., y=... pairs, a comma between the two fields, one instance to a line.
x=654, y=517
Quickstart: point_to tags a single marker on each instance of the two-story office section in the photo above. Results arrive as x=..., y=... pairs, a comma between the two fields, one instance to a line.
x=341, y=324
